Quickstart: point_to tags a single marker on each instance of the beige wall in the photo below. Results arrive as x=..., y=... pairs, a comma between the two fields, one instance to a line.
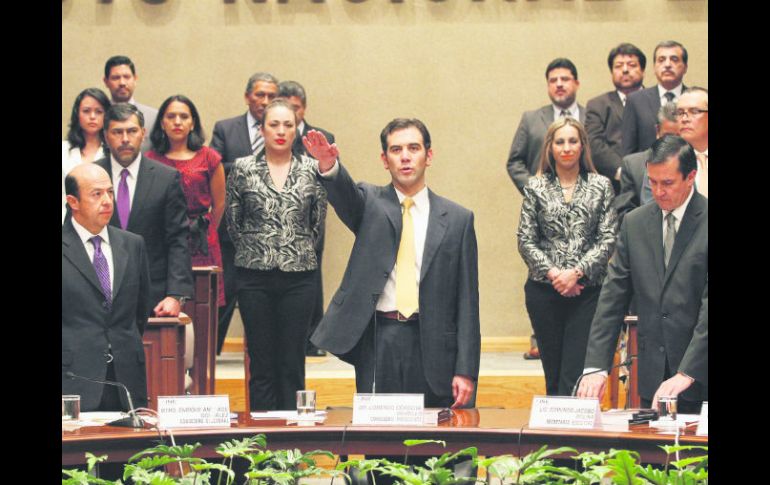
x=467, y=68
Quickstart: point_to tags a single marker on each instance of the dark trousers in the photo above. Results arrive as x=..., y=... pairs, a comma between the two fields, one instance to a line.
x=111, y=394
x=561, y=327
x=391, y=350
x=230, y=277
x=276, y=307
x=318, y=310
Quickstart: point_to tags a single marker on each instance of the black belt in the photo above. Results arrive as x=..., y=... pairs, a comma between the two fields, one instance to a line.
x=396, y=315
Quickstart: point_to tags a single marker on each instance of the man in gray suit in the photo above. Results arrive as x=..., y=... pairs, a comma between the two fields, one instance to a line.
x=120, y=78
x=661, y=259
x=105, y=297
x=642, y=107
x=604, y=113
x=407, y=312
x=562, y=78
x=235, y=138
x=634, y=184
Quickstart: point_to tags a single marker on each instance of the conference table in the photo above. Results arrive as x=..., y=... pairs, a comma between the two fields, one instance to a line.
x=492, y=431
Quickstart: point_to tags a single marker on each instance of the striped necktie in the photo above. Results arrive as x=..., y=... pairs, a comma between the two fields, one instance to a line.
x=259, y=140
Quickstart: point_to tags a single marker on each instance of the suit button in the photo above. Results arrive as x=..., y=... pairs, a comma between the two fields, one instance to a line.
x=665, y=316
x=662, y=349
x=385, y=275
x=105, y=305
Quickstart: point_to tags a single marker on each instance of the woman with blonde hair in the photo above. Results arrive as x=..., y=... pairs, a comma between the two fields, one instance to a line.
x=566, y=235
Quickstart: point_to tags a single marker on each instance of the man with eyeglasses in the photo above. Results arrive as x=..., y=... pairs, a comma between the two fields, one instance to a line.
x=642, y=107
x=692, y=114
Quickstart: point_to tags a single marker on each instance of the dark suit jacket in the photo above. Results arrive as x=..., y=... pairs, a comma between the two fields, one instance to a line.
x=633, y=182
x=159, y=215
x=639, y=120
x=87, y=327
x=524, y=157
x=231, y=139
x=672, y=303
x=604, y=125
x=448, y=300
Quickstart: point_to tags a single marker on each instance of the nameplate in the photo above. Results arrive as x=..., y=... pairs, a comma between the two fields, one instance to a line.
x=193, y=411
x=564, y=412
x=703, y=423
x=388, y=409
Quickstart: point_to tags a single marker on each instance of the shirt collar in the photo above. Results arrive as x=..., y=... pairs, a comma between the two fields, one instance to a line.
x=573, y=109
x=420, y=198
x=250, y=120
x=677, y=91
x=133, y=169
x=624, y=97
x=85, y=234
x=679, y=211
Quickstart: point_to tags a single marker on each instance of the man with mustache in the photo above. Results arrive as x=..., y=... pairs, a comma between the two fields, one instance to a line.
x=149, y=201
x=604, y=117
x=642, y=107
x=120, y=78
x=523, y=159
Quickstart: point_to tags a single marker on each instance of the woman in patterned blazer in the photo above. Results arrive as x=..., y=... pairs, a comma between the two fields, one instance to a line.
x=275, y=211
x=566, y=235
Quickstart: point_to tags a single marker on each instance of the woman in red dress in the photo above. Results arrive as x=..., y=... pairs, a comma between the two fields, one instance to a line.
x=177, y=141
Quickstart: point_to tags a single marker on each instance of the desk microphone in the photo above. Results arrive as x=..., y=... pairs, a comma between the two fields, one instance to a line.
x=133, y=421
x=625, y=363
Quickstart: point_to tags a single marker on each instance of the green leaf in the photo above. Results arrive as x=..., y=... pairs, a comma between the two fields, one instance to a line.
x=422, y=442
x=625, y=468
x=184, y=451
x=92, y=460
x=232, y=448
x=673, y=449
x=680, y=464
x=199, y=467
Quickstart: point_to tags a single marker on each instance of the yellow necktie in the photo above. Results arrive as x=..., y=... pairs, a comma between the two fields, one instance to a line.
x=406, y=274
x=702, y=177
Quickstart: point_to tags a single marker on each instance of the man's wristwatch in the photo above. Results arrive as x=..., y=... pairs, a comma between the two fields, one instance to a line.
x=180, y=299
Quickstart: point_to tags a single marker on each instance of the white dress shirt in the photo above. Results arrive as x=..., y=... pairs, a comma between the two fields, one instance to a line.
x=662, y=91
x=133, y=173
x=85, y=235
x=702, y=174
x=419, y=211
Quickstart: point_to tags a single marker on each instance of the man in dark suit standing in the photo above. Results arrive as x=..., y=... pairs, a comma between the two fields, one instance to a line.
x=105, y=297
x=149, y=202
x=235, y=138
x=661, y=259
x=642, y=106
x=295, y=95
x=562, y=78
x=407, y=312
x=634, y=184
x=604, y=113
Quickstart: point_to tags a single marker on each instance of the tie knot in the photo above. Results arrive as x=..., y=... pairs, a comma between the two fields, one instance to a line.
x=97, y=242
x=123, y=174
x=670, y=219
x=565, y=113
x=669, y=96
x=407, y=203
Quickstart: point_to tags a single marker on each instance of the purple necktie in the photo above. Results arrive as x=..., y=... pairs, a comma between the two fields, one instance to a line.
x=102, y=269
x=124, y=202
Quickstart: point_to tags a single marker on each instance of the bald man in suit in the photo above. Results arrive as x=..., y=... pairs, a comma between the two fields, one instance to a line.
x=105, y=297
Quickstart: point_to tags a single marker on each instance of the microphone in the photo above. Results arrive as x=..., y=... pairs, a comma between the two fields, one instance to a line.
x=625, y=363
x=133, y=421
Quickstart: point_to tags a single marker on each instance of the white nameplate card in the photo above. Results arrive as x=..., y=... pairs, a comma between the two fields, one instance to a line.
x=703, y=424
x=193, y=412
x=564, y=412
x=388, y=409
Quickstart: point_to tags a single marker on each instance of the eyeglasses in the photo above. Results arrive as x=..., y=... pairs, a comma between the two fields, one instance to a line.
x=691, y=112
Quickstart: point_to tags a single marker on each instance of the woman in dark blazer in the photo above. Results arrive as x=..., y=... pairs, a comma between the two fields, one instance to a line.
x=566, y=235
x=275, y=210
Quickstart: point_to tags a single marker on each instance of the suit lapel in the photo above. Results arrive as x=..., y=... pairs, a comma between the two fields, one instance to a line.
x=119, y=260
x=690, y=222
x=546, y=117
x=654, y=100
x=242, y=132
x=616, y=105
x=73, y=249
x=392, y=209
x=144, y=182
x=655, y=229
x=437, y=226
